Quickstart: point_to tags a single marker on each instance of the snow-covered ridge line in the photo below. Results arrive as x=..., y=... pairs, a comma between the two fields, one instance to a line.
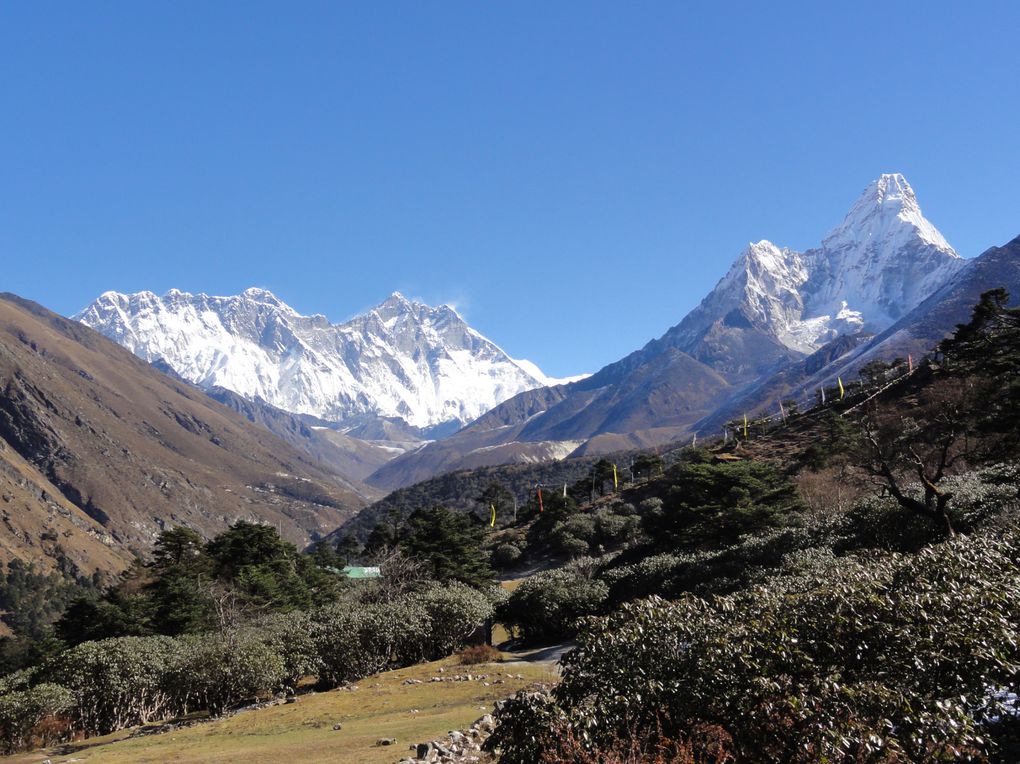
x=402, y=358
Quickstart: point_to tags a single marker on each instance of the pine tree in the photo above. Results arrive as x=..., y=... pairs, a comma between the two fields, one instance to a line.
x=451, y=543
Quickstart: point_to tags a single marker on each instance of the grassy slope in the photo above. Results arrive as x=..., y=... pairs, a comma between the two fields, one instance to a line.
x=303, y=732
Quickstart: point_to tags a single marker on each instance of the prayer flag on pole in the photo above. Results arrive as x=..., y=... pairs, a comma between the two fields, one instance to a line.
x=540, y=507
x=910, y=363
x=564, y=490
x=841, y=391
x=822, y=388
x=616, y=483
x=745, y=426
x=782, y=411
x=492, y=520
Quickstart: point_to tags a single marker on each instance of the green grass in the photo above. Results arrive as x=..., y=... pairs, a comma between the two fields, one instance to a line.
x=303, y=732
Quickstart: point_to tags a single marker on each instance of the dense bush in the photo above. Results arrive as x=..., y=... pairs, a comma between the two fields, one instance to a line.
x=887, y=659
x=505, y=555
x=32, y=717
x=216, y=671
x=101, y=686
x=452, y=613
x=291, y=637
x=574, y=536
x=354, y=642
x=547, y=605
x=595, y=532
x=119, y=682
x=981, y=499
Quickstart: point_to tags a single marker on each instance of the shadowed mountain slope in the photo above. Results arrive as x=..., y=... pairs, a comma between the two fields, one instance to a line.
x=134, y=451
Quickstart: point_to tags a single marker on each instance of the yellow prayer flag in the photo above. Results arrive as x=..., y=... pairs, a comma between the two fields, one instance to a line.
x=492, y=521
x=841, y=391
x=616, y=483
x=745, y=426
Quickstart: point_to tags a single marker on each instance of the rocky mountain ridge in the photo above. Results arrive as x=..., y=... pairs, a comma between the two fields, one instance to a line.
x=772, y=309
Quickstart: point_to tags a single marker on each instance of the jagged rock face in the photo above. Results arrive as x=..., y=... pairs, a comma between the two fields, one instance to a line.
x=401, y=359
x=878, y=264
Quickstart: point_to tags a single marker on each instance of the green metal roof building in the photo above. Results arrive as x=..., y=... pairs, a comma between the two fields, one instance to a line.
x=354, y=571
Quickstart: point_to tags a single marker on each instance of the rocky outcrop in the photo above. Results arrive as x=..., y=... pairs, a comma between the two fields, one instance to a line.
x=458, y=747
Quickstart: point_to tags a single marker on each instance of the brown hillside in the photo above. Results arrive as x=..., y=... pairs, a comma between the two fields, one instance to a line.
x=39, y=525
x=136, y=451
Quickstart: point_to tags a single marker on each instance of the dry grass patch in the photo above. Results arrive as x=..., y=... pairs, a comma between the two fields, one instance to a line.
x=476, y=654
x=383, y=706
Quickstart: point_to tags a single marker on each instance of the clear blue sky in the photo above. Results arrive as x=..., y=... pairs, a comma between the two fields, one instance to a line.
x=573, y=176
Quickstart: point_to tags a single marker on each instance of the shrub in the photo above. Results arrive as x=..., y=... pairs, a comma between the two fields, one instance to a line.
x=580, y=526
x=452, y=613
x=881, y=523
x=547, y=605
x=528, y=725
x=290, y=636
x=353, y=642
x=118, y=682
x=217, y=671
x=506, y=555
x=19, y=680
x=886, y=659
x=31, y=718
x=476, y=654
x=572, y=546
x=612, y=529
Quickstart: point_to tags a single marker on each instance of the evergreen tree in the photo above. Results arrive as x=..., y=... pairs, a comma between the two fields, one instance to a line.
x=601, y=475
x=179, y=597
x=495, y=495
x=381, y=539
x=451, y=543
x=988, y=348
x=647, y=465
x=347, y=550
x=709, y=504
x=266, y=572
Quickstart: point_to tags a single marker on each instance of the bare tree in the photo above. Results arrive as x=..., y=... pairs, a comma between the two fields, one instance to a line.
x=922, y=440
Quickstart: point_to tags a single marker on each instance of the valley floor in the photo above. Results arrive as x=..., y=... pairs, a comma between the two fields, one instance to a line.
x=383, y=706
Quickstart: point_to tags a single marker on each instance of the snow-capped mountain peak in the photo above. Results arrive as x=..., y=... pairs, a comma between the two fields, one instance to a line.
x=887, y=210
x=880, y=262
x=401, y=358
